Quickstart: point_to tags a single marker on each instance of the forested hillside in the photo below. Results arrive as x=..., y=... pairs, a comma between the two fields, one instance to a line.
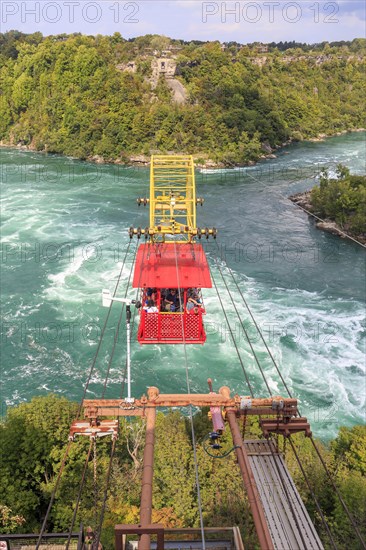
x=75, y=95
x=34, y=437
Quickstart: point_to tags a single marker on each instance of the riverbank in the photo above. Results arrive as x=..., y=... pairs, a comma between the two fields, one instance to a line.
x=144, y=160
x=303, y=200
x=199, y=160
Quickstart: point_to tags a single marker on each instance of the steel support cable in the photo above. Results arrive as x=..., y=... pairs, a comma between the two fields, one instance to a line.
x=244, y=329
x=288, y=498
x=344, y=505
x=80, y=407
x=44, y=524
x=258, y=329
x=115, y=340
x=232, y=335
x=276, y=465
x=324, y=521
x=199, y=500
x=97, y=540
x=81, y=486
x=101, y=337
x=283, y=381
x=325, y=221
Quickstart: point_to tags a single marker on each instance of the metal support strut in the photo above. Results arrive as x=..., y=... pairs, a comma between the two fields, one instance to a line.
x=128, y=359
x=147, y=474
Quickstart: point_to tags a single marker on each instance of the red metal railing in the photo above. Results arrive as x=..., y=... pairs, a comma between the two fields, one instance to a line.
x=168, y=328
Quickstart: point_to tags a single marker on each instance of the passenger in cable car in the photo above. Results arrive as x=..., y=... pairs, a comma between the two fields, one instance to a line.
x=151, y=293
x=172, y=300
x=167, y=325
x=192, y=291
x=192, y=302
x=151, y=307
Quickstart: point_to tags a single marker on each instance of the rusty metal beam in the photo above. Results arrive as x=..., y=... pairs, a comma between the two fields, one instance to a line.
x=259, y=518
x=119, y=407
x=258, y=411
x=115, y=412
x=294, y=425
x=147, y=478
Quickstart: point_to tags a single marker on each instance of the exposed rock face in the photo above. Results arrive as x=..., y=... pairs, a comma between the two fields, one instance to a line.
x=98, y=159
x=130, y=67
x=140, y=159
x=302, y=199
x=166, y=67
x=331, y=227
x=210, y=164
x=266, y=147
x=260, y=61
x=179, y=92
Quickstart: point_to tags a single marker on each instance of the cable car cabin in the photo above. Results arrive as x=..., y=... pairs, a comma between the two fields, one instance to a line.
x=171, y=276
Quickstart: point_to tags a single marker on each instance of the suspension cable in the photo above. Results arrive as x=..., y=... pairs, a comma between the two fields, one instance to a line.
x=81, y=404
x=258, y=329
x=325, y=221
x=232, y=336
x=344, y=506
x=53, y=495
x=244, y=329
x=79, y=494
x=99, y=527
x=199, y=500
x=101, y=337
x=324, y=522
x=116, y=334
x=290, y=395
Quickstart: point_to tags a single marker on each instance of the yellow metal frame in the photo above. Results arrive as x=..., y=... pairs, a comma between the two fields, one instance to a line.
x=172, y=198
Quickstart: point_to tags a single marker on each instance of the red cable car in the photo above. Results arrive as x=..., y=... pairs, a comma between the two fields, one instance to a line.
x=178, y=272
x=171, y=269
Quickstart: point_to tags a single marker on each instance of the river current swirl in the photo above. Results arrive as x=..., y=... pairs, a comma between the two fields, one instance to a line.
x=64, y=238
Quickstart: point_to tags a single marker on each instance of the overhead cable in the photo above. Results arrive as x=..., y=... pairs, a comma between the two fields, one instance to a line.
x=199, y=500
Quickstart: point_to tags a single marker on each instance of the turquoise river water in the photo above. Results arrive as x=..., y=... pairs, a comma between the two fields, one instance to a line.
x=64, y=237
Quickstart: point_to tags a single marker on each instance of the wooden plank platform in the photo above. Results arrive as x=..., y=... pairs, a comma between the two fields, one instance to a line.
x=288, y=521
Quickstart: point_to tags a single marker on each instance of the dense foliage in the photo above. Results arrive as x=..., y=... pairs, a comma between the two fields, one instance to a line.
x=342, y=198
x=65, y=94
x=33, y=440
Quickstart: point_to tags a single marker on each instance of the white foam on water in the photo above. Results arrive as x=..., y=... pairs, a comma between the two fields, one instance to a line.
x=72, y=268
x=317, y=342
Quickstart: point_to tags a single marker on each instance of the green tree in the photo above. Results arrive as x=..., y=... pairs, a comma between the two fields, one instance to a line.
x=8, y=522
x=342, y=199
